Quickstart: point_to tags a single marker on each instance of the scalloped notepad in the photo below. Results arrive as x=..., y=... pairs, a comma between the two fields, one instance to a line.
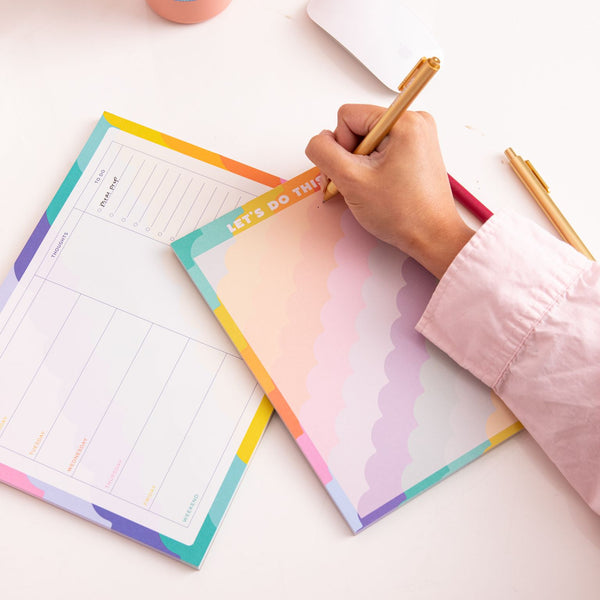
x=324, y=315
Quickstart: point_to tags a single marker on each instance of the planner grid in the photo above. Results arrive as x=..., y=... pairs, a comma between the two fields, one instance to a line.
x=96, y=377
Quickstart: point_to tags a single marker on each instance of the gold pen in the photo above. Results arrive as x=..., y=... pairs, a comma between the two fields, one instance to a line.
x=537, y=187
x=409, y=89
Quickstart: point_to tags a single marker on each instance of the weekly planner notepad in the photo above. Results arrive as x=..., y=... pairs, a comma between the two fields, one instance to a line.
x=324, y=315
x=122, y=399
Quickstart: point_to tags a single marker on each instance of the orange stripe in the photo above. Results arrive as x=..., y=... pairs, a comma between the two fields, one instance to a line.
x=250, y=172
x=212, y=158
x=257, y=368
x=285, y=412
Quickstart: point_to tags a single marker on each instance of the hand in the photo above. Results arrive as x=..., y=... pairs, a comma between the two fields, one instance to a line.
x=400, y=193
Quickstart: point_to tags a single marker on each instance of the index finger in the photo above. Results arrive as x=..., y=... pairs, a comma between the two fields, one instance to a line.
x=354, y=122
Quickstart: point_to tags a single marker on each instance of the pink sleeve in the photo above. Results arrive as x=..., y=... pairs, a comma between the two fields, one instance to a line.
x=521, y=311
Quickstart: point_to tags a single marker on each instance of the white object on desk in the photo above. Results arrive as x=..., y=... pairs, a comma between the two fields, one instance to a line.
x=382, y=34
x=506, y=527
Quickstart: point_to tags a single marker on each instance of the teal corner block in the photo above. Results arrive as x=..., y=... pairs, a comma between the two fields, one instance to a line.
x=83, y=160
x=77, y=169
x=204, y=286
x=227, y=490
x=194, y=553
x=183, y=248
x=197, y=242
x=450, y=468
x=64, y=191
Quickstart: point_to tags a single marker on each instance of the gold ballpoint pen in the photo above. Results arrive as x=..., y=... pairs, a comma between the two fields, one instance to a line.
x=537, y=187
x=409, y=89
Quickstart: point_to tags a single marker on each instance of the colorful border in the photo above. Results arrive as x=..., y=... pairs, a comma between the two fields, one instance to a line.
x=108, y=120
x=195, y=552
x=225, y=228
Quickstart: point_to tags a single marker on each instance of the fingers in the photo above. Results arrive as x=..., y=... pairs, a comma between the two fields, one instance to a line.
x=354, y=122
x=331, y=158
x=332, y=152
x=412, y=127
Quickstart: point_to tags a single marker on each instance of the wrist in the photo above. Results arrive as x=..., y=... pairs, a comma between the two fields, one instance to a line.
x=437, y=251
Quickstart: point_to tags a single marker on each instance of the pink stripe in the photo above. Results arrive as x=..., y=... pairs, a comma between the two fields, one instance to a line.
x=19, y=480
x=314, y=458
x=338, y=334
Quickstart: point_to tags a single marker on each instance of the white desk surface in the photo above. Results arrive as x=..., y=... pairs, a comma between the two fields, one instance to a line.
x=255, y=83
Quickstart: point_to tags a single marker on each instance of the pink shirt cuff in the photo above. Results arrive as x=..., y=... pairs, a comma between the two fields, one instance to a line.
x=495, y=292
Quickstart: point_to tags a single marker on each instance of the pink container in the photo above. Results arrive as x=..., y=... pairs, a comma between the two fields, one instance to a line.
x=188, y=11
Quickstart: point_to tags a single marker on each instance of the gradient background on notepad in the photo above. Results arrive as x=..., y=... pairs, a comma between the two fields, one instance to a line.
x=330, y=313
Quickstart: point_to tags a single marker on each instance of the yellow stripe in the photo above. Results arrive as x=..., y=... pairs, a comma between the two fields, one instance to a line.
x=253, y=207
x=135, y=129
x=257, y=426
x=230, y=327
x=504, y=435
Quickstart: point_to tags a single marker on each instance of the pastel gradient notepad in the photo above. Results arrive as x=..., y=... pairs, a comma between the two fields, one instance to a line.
x=324, y=314
x=122, y=400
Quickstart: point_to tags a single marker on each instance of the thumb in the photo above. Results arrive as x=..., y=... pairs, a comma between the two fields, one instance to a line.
x=331, y=158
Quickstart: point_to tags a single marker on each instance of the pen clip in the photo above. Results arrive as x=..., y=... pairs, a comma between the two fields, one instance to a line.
x=411, y=74
x=537, y=175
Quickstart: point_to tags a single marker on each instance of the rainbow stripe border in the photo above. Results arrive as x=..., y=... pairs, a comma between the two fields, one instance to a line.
x=221, y=230
x=194, y=553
